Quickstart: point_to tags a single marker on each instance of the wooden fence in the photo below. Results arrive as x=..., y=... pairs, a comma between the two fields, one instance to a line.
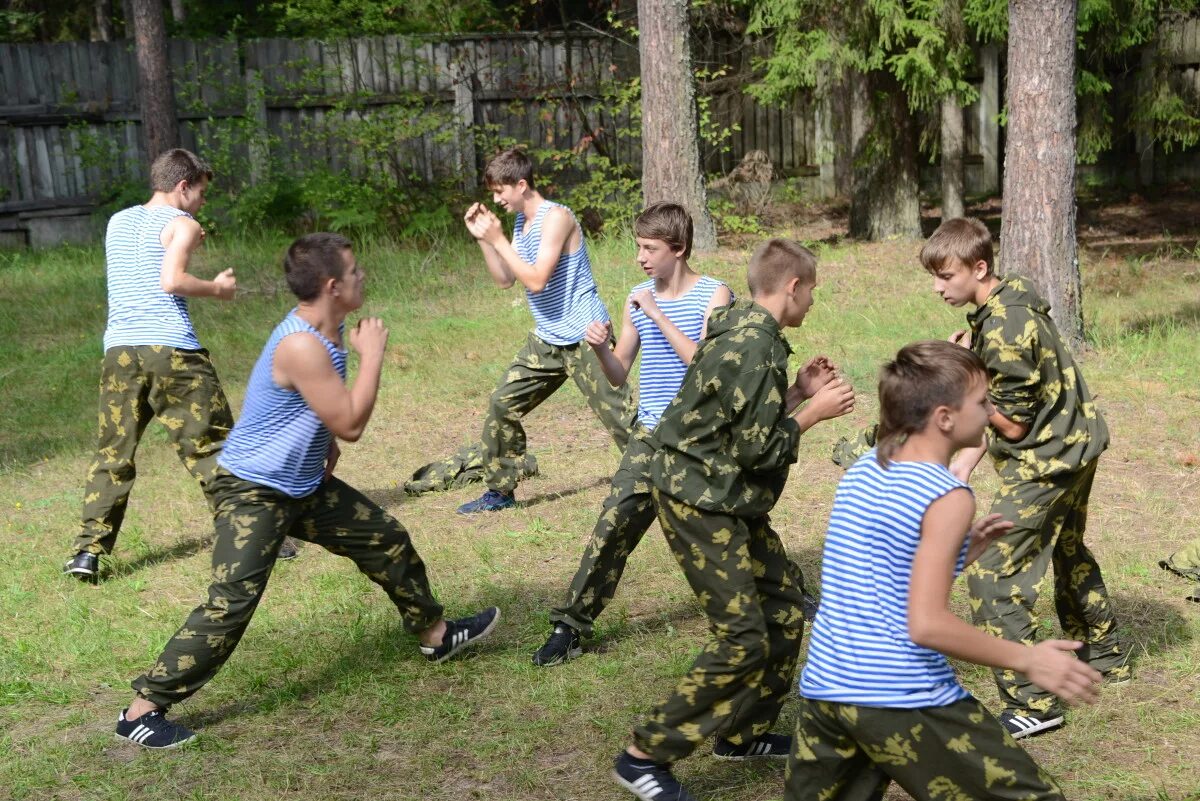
x=69, y=120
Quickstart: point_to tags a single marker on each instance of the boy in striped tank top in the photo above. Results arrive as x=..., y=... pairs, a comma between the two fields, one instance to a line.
x=665, y=316
x=276, y=478
x=547, y=255
x=153, y=364
x=722, y=452
x=880, y=702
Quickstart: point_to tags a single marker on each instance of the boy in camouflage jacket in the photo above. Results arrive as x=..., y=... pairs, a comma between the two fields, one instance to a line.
x=723, y=449
x=1045, y=439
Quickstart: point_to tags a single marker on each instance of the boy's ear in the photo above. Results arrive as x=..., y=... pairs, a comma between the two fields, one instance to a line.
x=980, y=270
x=943, y=418
x=792, y=284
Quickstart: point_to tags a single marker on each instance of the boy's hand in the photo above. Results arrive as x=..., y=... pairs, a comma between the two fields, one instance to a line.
x=1053, y=667
x=331, y=458
x=226, y=285
x=834, y=399
x=983, y=532
x=485, y=226
x=961, y=338
x=811, y=377
x=644, y=300
x=369, y=337
x=598, y=334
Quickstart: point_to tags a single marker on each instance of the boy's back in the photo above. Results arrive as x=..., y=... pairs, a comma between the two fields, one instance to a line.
x=139, y=311
x=1033, y=380
x=860, y=651
x=725, y=442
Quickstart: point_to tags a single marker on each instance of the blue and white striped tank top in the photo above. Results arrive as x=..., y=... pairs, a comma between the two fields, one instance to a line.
x=278, y=441
x=139, y=312
x=569, y=301
x=661, y=371
x=860, y=651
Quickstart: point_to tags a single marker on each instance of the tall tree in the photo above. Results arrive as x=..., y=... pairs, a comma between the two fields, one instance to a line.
x=897, y=62
x=1037, y=235
x=951, y=139
x=156, y=95
x=670, y=130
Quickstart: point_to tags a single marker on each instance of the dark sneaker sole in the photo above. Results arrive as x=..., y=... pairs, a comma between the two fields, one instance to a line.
x=468, y=643
x=572, y=653
x=155, y=747
x=1041, y=727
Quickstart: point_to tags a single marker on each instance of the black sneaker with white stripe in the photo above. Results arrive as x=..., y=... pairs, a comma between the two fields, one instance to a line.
x=1026, y=725
x=767, y=746
x=649, y=781
x=461, y=633
x=153, y=730
x=83, y=566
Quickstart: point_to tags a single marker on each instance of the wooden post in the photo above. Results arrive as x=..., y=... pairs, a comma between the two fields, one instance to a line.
x=464, y=111
x=989, y=127
x=256, y=109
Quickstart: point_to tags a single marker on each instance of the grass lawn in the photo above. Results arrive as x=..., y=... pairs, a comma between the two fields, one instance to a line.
x=327, y=697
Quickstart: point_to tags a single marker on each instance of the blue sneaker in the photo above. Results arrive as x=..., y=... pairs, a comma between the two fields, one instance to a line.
x=153, y=730
x=490, y=501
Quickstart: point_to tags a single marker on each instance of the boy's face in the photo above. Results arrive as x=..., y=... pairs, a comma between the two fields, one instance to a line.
x=193, y=196
x=799, y=302
x=656, y=258
x=957, y=282
x=349, y=287
x=971, y=417
x=510, y=197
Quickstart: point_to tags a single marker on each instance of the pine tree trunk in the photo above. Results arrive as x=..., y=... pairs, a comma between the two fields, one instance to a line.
x=156, y=95
x=1037, y=236
x=102, y=22
x=885, y=200
x=670, y=131
x=952, y=158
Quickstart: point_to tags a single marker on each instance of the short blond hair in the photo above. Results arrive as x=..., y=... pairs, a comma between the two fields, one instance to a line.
x=777, y=261
x=963, y=238
x=175, y=165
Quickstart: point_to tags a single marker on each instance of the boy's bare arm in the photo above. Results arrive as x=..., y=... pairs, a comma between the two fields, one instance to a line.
x=1050, y=664
x=1009, y=429
x=180, y=238
x=495, y=265
x=684, y=347
x=615, y=362
x=557, y=228
x=302, y=363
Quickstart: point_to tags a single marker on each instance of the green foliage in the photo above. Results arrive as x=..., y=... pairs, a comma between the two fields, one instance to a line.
x=20, y=26
x=815, y=41
x=729, y=221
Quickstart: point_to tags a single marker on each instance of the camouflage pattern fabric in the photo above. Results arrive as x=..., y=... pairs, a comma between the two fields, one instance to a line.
x=181, y=389
x=752, y=594
x=725, y=442
x=847, y=451
x=1185, y=562
x=1004, y=583
x=536, y=372
x=627, y=513
x=843, y=752
x=1033, y=379
x=459, y=469
x=251, y=521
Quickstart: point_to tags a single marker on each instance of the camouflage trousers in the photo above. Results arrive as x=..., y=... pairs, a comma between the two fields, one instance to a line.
x=251, y=522
x=627, y=513
x=536, y=372
x=459, y=469
x=1186, y=563
x=181, y=389
x=1050, y=516
x=843, y=752
x=752, y=594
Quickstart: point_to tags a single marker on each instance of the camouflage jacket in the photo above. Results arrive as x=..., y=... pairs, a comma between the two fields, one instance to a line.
x=726, y=442
x=1033, y=379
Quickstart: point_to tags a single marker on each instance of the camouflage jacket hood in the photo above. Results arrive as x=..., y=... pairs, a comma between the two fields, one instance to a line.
x=725, y=443
x=1033, y=379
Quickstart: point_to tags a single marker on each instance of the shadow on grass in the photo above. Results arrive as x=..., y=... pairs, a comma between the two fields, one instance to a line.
x=1186, y=316
x=180, y=550
x=1153, y=626
x=391, y=496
